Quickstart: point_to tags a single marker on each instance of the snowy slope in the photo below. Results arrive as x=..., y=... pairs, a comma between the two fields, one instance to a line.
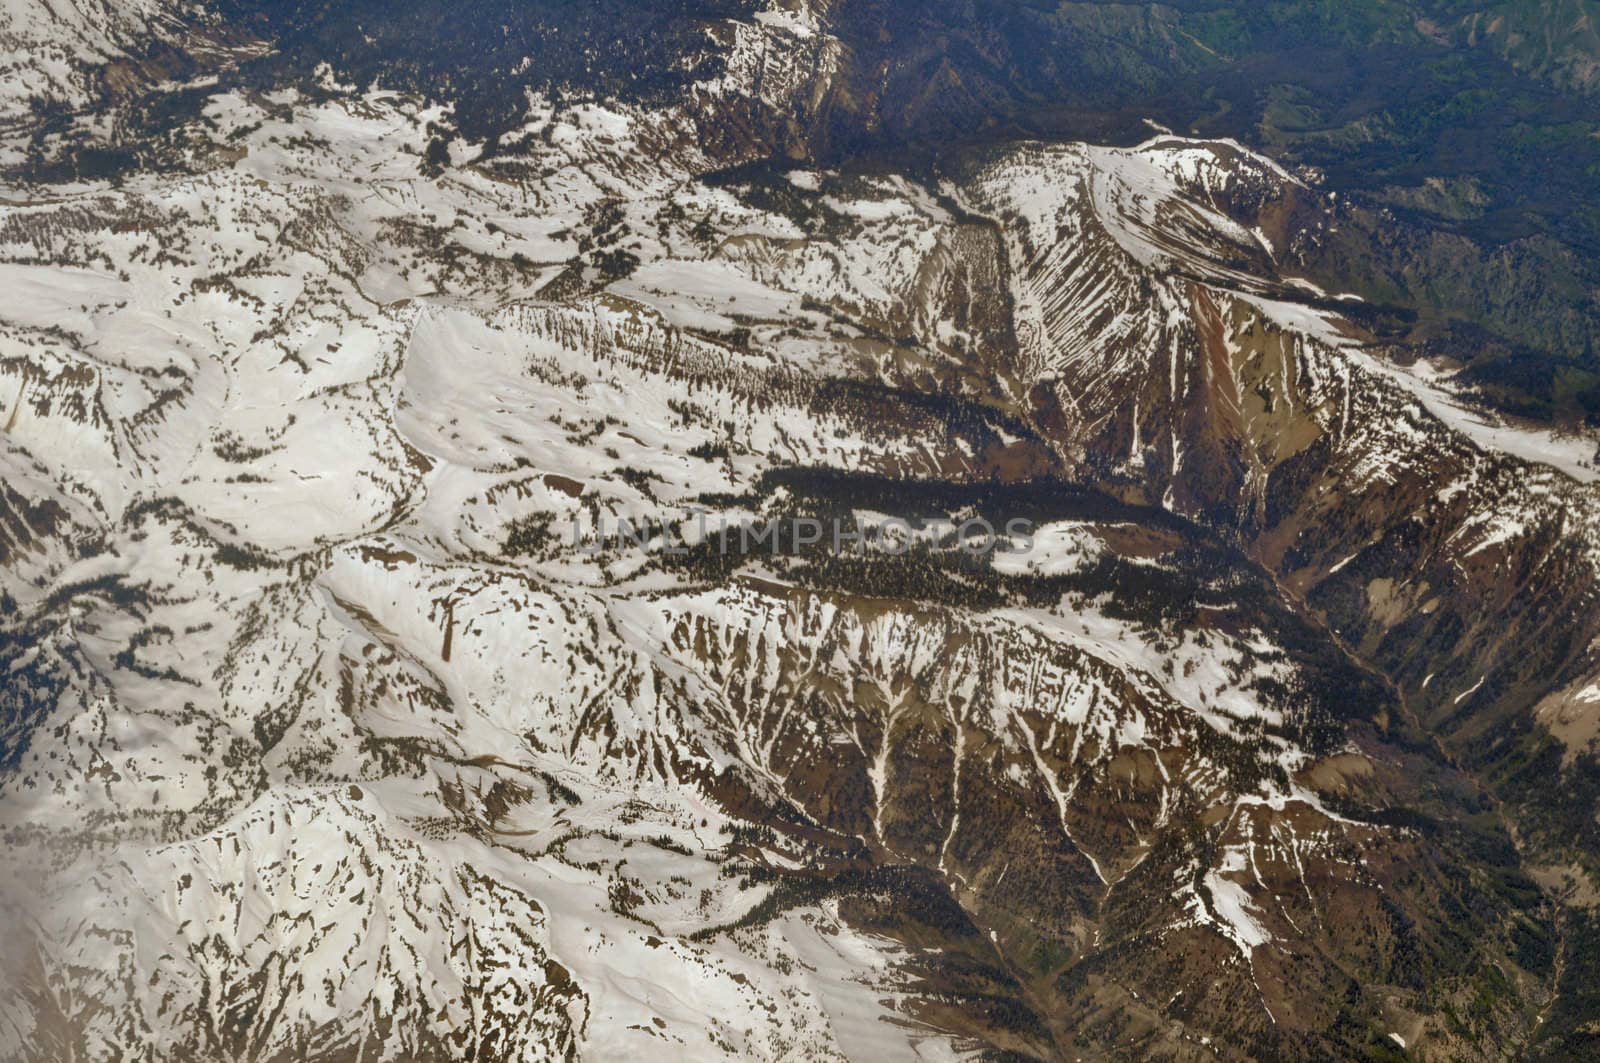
x=324, y=736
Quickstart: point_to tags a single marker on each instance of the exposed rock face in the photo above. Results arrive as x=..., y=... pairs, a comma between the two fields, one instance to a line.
x=333, y=728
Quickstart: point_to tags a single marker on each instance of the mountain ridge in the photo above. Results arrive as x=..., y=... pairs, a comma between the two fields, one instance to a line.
x=349, y=742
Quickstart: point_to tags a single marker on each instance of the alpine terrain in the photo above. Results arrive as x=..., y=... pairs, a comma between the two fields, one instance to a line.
x=799, y=530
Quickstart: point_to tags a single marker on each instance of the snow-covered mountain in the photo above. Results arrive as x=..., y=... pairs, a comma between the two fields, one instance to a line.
x=334, y=728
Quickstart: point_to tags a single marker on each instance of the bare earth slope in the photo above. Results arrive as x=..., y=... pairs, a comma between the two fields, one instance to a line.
x=332, y=728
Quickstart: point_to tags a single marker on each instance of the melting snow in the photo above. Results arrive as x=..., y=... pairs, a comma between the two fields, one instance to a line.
x=1572, y=455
